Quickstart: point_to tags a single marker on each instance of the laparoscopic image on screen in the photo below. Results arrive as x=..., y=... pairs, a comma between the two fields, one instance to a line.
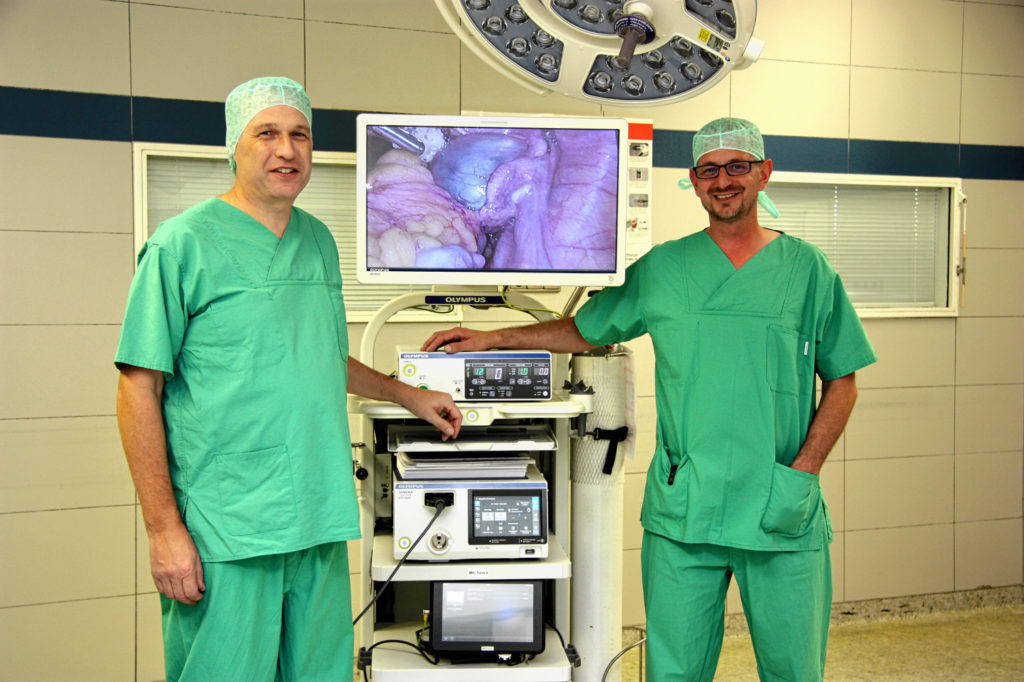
x=440, y=198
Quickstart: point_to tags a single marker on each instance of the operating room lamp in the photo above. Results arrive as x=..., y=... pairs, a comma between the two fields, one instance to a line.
x=637, y=52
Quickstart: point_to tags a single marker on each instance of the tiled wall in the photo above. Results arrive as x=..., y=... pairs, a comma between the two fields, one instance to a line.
x=925, y=486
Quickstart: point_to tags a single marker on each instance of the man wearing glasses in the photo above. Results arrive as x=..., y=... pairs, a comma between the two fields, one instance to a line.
x=742, y=319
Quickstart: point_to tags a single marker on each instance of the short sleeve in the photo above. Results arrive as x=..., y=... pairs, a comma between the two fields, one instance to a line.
x=155, y=316
x=615, y=314
x=844, y=346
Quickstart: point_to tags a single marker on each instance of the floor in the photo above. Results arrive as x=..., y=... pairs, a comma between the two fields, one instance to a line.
x=985, y=643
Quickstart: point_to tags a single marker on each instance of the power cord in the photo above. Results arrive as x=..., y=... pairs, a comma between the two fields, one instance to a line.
x=619, y=655
x=365, y=657
x=508, y=304
x=569, y=649
x=440, y=506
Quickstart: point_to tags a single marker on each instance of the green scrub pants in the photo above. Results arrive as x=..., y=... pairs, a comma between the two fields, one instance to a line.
x=276, y=617
x=787, y=600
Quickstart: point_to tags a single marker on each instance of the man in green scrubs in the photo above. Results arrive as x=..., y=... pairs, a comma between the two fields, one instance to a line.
x=234, y=373
x=742, y=320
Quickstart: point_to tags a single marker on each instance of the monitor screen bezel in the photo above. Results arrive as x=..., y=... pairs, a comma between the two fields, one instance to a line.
x=485, y=646
x=487, y=277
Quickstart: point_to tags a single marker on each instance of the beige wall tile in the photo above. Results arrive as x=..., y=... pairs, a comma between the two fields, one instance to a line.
x=347, y=69
x=632, y=589
x=913, y=491
x=62, y=464
x=816, y=96
x=57, y=371
x=898, y=561
x=67, y=185
x=64, y=278
x=995, y=215
x=833, y=485
x=995, y=280
x=63, y=555
x=988, y=349
x=911, y=352
x=171, y=45
x=354, y=555
x=908, y=106
x=676, y=212
x=484, y=89
x=992, y=39
x=889, y=34
x=417, y=16
x=988, y=553
x=988, y=418
x=646, y=419
x=793, y=31
x=149, y=642
x=989, y=486
x=357, y=601
x=910, y=491
x=838, y=549
x=632, y=499
x=901, y=422
x=79, y=45
x=85, y=641
x=271, y=8
x=990, y=112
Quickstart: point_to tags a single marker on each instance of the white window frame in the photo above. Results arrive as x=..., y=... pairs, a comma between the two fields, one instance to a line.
x=142, y=151
x=955, y=255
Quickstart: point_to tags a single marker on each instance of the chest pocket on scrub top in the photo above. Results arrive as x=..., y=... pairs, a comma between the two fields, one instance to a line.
x=250, y=329
x=785, y=365
x=783, y=359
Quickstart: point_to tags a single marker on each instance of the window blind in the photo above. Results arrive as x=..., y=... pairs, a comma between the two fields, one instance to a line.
x=890, y=244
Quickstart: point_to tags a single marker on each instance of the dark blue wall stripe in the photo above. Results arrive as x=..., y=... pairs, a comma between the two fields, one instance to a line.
x=79, y=115
x=904, y=158
x=50, y=113
x=177, y=121
x=991, y=162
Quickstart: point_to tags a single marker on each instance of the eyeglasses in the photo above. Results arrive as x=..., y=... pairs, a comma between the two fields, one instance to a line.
x=709, y=171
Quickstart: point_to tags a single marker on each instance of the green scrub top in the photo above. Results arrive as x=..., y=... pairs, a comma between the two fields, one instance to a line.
x=736, y=353
x=249, y=331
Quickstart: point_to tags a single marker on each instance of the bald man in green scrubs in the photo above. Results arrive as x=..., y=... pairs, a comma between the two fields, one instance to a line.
x=232, y=408
x=742, y=320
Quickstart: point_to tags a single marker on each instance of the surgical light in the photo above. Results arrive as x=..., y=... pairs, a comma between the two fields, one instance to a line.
x=633, y=52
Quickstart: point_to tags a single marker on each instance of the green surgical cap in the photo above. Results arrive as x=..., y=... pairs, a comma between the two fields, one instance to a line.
x=728, y=133
x=252, y=97
x=733, y=133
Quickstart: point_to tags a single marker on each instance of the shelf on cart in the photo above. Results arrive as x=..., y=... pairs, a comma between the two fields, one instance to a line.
x=397, y=661
x=478, y=413
x=555, y=566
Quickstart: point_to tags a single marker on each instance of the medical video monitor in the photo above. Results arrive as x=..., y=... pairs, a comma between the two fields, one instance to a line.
x=473, y=200
x=472, y=617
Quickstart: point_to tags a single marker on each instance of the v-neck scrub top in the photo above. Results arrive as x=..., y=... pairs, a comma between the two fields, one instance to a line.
x=249, y=331
x=736, y=353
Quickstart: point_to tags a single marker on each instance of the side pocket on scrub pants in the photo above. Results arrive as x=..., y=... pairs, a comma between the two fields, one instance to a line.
x=793, y=502
x=256, y=491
